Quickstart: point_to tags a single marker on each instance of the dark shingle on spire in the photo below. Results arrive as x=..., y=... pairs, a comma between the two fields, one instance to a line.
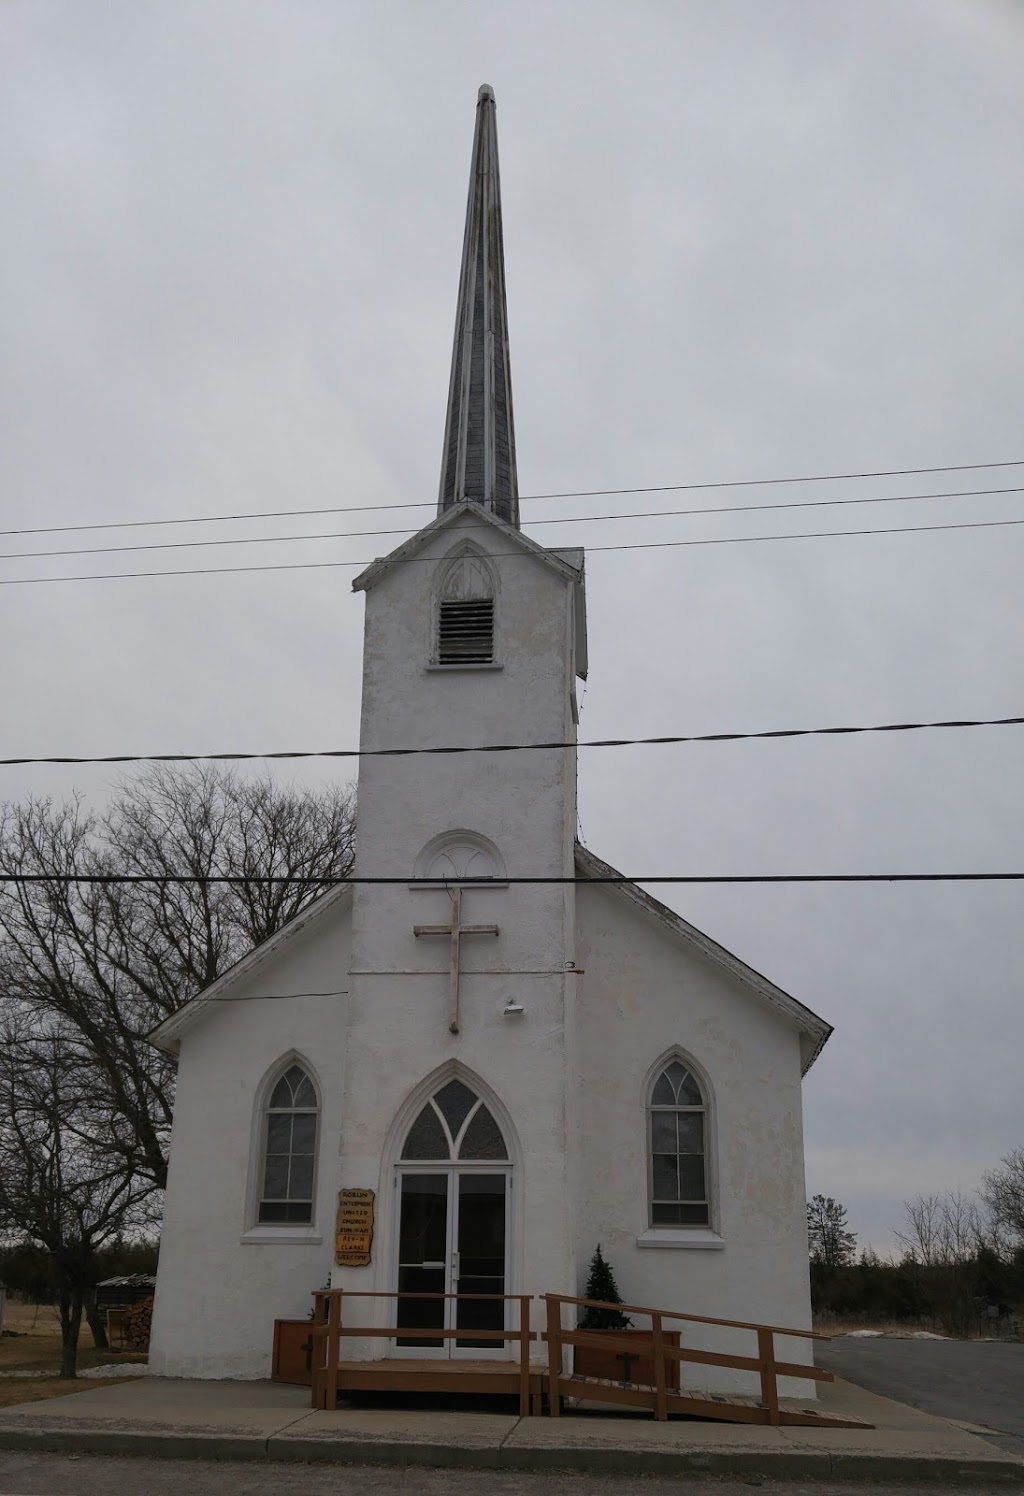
x=479, y=457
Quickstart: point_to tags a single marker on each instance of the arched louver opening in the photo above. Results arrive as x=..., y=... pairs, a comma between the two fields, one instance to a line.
x=465, y=617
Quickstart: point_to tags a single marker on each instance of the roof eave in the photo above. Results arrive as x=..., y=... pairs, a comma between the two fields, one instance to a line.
x=168, y=1034
x=380, y=567
x=814, y=1030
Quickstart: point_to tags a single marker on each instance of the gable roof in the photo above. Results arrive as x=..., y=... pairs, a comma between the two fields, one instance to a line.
x=379, y=568
x=814, y=1031
x=566, y=561
x=168, y=1034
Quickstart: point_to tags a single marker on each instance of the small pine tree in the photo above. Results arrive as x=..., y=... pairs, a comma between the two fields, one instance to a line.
x=601, y=1285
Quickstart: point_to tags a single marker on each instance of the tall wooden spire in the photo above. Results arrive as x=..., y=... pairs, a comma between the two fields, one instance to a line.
x=479, y=458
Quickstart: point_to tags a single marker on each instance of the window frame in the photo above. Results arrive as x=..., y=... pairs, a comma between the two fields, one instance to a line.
x=259, y=1229
x=705, y=1111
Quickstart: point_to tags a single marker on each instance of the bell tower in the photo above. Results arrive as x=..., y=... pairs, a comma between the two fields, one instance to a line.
x=463, y=952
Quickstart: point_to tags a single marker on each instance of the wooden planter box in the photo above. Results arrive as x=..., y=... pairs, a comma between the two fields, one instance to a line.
x=629, y=1364
x=293, y=1352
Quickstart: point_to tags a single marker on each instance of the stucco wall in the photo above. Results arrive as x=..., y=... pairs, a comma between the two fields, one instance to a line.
x=566, y=1078
x=645, y=993
x=217, y=1297
x=524, y=804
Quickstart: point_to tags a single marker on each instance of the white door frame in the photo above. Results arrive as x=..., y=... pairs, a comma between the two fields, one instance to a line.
x=450, y=1350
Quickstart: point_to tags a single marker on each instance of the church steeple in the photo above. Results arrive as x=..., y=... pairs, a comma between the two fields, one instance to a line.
x=479, y=458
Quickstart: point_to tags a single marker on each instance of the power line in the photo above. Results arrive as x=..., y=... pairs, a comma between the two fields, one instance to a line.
x=273, y=997
x=582, y=493
x=665, y=739
x=648, y=545
x=582, y=519
x=407, y=882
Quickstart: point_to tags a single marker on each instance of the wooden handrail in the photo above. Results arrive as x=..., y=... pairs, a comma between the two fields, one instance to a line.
x=696, y=1319
x=423, y=1332
x=328, y=1332
x=764, y=1363
x=361, y=1293
x=640, y=1341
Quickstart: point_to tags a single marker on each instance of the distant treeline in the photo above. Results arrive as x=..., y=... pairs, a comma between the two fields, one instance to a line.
x=955, y=1297
x=961, y=1267
x=27, y=1270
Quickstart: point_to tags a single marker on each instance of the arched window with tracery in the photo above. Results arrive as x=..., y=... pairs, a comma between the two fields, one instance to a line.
x=465, y=612
x=454, y=1126
x=289, y=1137
x=677, y=1128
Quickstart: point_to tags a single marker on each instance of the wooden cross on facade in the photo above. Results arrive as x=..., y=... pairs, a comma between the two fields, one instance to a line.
x=455, y=932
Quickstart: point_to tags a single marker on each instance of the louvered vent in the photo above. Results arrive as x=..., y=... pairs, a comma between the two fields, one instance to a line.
x=465, y=633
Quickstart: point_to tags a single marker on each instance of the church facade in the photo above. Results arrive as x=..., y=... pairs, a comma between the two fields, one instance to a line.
x=515, y=1054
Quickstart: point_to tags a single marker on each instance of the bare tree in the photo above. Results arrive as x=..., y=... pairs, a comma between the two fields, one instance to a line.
x=106, y=962
x=943, y=1230
x=59, y=1188
x=1002, y=1189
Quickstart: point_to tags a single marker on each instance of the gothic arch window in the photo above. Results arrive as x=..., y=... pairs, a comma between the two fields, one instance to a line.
x=464, y=625
x=455, y=1126
x=677, y=1143
x=289, y=1129
x=461, y=857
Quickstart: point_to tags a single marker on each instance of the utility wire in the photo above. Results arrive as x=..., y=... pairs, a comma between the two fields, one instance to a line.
x=582, y=519
x=273, y=997
x=648, y=545
x=407, y=882
x=583, y=493
x=706, y=737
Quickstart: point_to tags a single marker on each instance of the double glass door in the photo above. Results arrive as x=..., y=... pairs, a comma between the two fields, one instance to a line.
x=452, y=1239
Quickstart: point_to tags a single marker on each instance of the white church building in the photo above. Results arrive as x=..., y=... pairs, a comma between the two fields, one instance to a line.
x=520, y=1060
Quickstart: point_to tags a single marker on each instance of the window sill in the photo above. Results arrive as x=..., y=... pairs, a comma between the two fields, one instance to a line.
x=457, y=669
x=281, y=1236
x=676, y=1239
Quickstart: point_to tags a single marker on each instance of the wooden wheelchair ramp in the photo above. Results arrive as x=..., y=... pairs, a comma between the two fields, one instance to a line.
x=664, y=1396
x=545, y=1383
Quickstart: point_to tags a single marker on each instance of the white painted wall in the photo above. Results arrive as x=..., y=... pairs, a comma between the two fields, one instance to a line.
x=567, y=1078
x=525, y=804
x=645, y=992
x=217, y=1296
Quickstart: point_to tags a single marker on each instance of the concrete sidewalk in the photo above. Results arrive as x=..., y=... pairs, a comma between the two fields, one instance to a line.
x=263, y=1420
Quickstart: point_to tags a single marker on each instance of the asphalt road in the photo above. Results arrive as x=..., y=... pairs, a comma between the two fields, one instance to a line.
x=974, y=1381
x=97, y=1475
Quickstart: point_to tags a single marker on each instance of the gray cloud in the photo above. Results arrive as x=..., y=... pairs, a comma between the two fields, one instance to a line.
x=741, y=240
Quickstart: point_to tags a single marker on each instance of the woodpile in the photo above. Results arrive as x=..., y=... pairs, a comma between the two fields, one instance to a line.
x=135, y=1323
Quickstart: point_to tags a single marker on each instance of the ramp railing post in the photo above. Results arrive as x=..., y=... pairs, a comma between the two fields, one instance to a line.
x=333, y=1345
x=554, y=1306
x=769, y=1381
x=660, y=1398
x=524, y=1355
x=317, y=1351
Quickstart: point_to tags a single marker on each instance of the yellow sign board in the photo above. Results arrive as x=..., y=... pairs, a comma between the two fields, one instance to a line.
x=354, y=1230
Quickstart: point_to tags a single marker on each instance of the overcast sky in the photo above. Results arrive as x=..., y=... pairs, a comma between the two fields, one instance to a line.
x=743, y=240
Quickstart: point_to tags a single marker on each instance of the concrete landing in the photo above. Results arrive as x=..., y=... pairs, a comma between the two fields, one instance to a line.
x=263, y=1420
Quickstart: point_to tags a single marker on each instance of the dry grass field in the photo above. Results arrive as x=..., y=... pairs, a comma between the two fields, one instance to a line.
x=35, y=1347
